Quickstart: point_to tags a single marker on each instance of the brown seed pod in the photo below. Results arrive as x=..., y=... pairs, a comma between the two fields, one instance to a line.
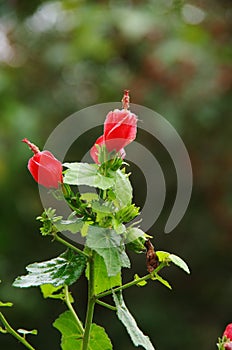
x=152, y=259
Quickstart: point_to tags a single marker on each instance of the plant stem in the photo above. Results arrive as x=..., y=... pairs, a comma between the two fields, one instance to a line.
x=70, y=307
x=91, y=304
x=14, y=333
x=132, y=283
x=108, y=306
x=69, y=245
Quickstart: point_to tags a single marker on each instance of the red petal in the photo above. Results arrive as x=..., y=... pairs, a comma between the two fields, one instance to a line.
x=228, y=331
x=120, y=129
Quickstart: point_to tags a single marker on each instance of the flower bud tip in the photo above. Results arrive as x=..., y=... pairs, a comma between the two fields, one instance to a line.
x=33, y=147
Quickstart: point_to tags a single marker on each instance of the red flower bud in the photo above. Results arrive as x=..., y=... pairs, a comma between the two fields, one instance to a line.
x=120, y=129
x=228, y=331
x=44, y=167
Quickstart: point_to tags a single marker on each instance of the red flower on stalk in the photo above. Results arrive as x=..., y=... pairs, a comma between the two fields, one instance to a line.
x=120, y=129
x=228, y=331
x=44, y=167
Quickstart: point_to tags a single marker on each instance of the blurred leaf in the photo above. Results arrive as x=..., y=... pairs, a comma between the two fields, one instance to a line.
x=65, y=269
x=7, y=304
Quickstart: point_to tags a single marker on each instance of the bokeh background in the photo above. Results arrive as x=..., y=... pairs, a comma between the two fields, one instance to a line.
x=57, y=57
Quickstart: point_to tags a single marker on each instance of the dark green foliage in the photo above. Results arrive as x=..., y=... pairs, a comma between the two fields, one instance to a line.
x=63, y=270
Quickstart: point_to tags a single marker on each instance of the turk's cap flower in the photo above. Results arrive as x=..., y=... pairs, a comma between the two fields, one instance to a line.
x=120, y=128
x=44, y=167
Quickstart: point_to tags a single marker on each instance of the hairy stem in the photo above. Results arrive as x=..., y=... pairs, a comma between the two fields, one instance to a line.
x=70, y=307
x=132, y=283
x=10, y=330
x=91, y=304
x=69, y=245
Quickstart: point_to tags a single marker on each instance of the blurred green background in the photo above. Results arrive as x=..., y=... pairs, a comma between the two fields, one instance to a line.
x=57, y=57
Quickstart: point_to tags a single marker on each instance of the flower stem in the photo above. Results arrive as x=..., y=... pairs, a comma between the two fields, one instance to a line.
x=91, y=304
x=69, y=245
x=70, y=307
x=108, y=306
x=132, y=283
x=10, y=330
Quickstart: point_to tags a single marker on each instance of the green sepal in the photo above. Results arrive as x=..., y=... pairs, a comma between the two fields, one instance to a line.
x=111, y=164
x=63, y=270
x=127, y=213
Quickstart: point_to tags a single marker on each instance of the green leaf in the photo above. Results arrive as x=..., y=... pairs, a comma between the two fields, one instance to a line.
x=86, y=174
x=89, y=197
x=107, y=243
x=2, y=330
x=163, y=256
x=49, y=291
x=65, y=269
x=73, y=225
x=102, y=281
x=167, y=257
x=141, y=283
x=137, y=336
x=179, y=262
x=103, y=207
x=7, y=304
x=161, y=280
x=72, y=338
x=122, y=188
x=25, y=332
